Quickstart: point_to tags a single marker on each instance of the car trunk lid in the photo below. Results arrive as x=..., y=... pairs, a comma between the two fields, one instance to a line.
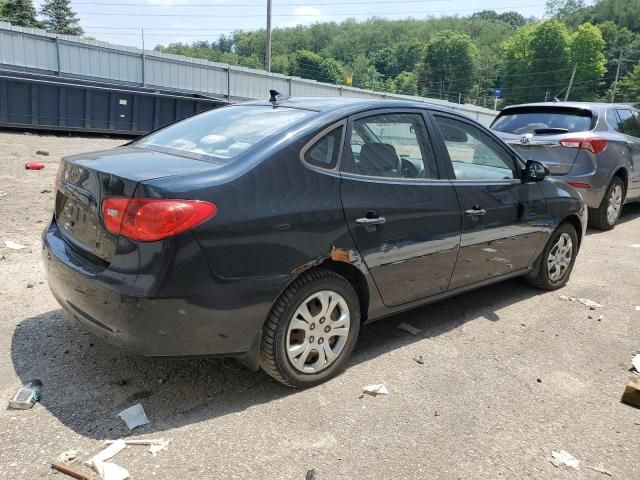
x=546, y=149
x=85, y=180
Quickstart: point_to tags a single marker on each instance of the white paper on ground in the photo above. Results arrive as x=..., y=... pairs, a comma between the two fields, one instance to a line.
x=377, y=389
x=635, y=245
x=566, y=458
x=110, y=471
x=636, y=362
x=13, y=245
x=113, y=449
x=157, y=447
x=134, y=416
x=589, y=303
x=409, y=328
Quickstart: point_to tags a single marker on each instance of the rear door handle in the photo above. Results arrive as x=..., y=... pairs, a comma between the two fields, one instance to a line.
x=476, y=212
x=371, y=221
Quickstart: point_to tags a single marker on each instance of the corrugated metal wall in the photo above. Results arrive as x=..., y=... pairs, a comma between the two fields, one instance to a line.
x=36, y=50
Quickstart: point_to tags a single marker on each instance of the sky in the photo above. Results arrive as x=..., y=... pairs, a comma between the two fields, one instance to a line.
x=166, y=21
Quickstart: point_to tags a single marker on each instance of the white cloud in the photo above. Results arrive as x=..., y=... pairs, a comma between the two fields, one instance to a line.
x=307, y=11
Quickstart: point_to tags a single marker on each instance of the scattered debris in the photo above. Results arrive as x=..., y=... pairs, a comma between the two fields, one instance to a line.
x=631, y=394
x=34, y=166
x=635, y=245
x=589, y=303
x=46, y=190
x=562, y=457
x=635, y=361
x=13, y=245
x=375, y=390
x=564, y=298
x=419, y=359
x=27, y=396
x=69, y=457
x=489, y=250
x=44, y=153
x=134, y=416
x=311, y=474
x=155, y=446
x=408, y=328
x=107, y=470
x=74, y=472
x=539, y=380
x=600, y=469
x=436, y=414
x=637, y=308
x=30, y=285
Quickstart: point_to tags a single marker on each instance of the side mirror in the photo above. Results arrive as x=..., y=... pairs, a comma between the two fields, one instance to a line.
x=534, y=171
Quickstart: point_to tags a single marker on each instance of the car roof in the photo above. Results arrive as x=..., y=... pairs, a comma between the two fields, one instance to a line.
x=348, y=105
x=593, y=106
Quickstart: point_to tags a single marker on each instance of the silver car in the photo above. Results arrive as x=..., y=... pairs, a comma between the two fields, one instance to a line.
x=594, y=147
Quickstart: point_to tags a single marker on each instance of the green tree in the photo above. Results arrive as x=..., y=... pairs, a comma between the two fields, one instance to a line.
x=409, y=54
x=407, y=83
x=451, y=63
x=536, y=63
x=385, y=62
x=630, y=86
x=307, y=64
x=60, y=18
x=21, y=13
x=587, y=55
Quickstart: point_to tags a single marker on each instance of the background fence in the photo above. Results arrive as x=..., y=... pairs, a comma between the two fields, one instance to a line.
x=28, y=49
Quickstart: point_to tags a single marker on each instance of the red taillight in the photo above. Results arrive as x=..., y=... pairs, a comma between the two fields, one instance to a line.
x=150, y=219
x=579, y=184
x=593, y=144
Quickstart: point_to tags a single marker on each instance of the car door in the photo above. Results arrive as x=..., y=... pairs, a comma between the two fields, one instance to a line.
x=503, y=219
x=402, y=214
x=629, y=127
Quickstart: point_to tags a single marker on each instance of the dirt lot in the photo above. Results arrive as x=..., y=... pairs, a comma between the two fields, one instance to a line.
x=511, y=374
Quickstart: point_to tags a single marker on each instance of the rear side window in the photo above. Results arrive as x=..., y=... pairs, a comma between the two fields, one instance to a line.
x=324, y=153
x=626, y=123
x=543, y=121
x=222, y=134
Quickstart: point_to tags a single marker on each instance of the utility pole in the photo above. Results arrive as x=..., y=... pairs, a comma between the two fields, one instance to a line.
x=144, y=60
x=615, y=83
x=573, y=75
x=268, y=60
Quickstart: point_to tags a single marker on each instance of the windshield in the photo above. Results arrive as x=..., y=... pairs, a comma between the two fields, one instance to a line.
x=222, y=134
x=543, y=121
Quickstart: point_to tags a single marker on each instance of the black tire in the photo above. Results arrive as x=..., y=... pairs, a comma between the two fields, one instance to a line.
x=273, y=349
x=539, y=277
x=598, y=217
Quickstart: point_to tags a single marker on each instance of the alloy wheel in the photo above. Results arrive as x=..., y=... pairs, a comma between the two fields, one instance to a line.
x=560, y=257
x=615, y=204
x=318, y=331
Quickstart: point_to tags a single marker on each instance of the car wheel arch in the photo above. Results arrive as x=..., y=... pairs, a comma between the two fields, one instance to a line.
x=574, y=221
x=623, y=175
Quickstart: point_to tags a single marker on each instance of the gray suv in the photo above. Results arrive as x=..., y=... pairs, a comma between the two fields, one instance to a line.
x=594, y=147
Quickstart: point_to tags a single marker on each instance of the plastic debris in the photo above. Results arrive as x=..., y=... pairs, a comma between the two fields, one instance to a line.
x=565, y=458
x=375, y=390
x=27, y=396
x=13, y=245
x=635, y=361
x=409, y=328
x=600, y=469
x=69, y=457
x=107, y=470
x=589, y=303
x=134, y=416
x=419, y=359
x=44, y=153
x=34, y=166
x=155, y=445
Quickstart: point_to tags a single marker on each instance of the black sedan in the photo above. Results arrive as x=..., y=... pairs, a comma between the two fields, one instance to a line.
x=270, y=231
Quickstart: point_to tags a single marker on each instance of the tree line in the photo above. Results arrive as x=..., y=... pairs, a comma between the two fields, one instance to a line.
x=459, y=58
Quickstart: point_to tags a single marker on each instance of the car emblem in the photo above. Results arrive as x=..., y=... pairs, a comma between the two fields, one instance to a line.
x=526, y=139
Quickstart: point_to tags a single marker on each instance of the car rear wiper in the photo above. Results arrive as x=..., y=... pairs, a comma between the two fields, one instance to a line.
x=550, y=131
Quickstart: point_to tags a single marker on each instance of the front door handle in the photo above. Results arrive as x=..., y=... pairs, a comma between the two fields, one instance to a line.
x=366, y=221
x=476, y=211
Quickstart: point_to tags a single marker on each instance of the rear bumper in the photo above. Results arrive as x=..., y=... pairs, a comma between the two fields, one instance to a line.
x=148, y=326
x=591, y=196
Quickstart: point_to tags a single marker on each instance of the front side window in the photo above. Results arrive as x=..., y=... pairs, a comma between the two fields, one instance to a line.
x=324, y=153
x=628, y=123
x=222, y=134
x=390, y=145
x=473, y=153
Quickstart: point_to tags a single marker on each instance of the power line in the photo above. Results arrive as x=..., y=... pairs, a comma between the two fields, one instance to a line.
x=279, y=4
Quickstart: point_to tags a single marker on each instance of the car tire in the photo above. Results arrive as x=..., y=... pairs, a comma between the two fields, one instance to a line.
x=555, y=264
x=321, y=303
x=606, y=216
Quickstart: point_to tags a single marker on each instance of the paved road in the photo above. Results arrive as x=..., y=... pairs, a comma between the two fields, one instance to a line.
x=511, y=374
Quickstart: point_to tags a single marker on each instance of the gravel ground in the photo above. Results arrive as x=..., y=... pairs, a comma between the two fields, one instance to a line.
x=511, y=374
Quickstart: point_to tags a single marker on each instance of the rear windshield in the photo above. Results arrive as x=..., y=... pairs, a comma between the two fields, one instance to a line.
x=543, y=121
x=222, y=134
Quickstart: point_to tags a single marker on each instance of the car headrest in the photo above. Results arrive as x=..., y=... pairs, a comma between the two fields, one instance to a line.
x=379, y=158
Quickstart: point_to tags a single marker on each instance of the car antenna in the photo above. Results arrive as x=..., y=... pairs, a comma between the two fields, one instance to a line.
x=277, y=97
